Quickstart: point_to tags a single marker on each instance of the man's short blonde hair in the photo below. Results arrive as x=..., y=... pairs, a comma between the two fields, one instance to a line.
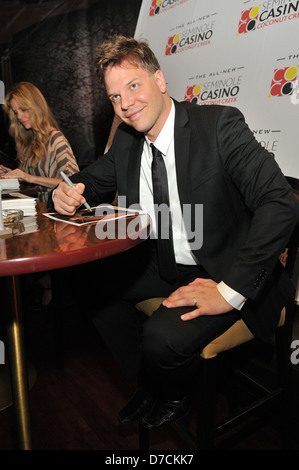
x=121, y=48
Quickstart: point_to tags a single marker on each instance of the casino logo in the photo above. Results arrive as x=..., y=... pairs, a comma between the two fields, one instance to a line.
x=248, y=20
x=162, y=6
x=267, y=14
x=155, y=7
x=284, y=81
x=172, y=44
x=218, y=87
x=192, y=94
x=199, y=35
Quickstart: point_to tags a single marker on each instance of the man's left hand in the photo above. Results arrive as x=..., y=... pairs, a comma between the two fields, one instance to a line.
x=203, y=294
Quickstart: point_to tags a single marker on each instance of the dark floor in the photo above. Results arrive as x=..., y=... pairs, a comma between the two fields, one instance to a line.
x=76, y=408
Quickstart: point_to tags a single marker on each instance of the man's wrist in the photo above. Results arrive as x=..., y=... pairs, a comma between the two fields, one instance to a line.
x=235, y=299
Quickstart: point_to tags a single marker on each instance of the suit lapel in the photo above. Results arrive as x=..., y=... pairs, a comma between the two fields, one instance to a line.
x=182, y=136
x=181, y=149
x=133, y=176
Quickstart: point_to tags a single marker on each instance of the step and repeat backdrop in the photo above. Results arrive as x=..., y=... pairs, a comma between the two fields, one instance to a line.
x=238, y=53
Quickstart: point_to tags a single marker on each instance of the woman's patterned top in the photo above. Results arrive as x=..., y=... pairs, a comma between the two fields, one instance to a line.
x=59, y=157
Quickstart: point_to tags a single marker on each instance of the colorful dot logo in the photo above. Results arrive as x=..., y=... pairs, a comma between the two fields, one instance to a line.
x=155, y=7
x=172, y=44
x=192, y=94
x=284, y=81
x=248, y=20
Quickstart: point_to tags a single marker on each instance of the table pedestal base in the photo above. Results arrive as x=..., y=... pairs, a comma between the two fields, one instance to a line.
x=5, y=384
x=17, y=362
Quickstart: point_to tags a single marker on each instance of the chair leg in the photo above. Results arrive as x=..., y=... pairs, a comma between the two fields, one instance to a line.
x=143, y=437
x=206, y=404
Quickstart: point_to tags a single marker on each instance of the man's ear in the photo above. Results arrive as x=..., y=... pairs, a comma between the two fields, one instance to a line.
x=159, y=77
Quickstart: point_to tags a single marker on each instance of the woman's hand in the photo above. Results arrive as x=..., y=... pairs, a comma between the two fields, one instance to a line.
x=4, y=170
x=201, y=293
x=17, y=173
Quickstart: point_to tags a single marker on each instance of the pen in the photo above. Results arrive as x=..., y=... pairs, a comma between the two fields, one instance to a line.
x=68, y=181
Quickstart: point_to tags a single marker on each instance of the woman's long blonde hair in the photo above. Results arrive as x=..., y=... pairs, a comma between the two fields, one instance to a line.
x=30, y=143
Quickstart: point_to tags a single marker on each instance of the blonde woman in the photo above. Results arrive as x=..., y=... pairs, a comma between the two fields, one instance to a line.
x=42, y=149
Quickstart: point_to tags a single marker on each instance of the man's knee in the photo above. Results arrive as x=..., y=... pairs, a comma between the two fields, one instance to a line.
x=163, y=343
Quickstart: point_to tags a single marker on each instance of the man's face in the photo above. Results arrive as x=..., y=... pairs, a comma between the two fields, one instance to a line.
x=138, y=97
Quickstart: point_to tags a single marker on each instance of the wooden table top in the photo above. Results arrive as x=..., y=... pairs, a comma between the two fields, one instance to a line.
x=56, y=244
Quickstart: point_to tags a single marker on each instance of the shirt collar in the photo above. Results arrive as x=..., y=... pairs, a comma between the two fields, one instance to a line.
x=165, y=137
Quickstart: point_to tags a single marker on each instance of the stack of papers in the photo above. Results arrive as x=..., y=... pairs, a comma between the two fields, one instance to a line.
x=25, y=204
x=10, y=184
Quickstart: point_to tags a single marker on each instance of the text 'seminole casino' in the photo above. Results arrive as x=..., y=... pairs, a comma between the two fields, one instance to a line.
x=162, y=6
x=266, y=14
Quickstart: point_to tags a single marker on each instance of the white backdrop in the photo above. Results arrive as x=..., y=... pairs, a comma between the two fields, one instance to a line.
x=238, y=52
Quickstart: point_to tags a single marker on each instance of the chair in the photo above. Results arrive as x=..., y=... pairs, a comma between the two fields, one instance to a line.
x=236, y=347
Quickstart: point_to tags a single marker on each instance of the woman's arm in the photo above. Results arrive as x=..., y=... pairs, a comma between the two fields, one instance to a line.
x=39, y=180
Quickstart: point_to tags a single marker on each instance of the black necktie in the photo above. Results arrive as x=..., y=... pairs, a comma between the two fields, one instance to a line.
x=167, y=264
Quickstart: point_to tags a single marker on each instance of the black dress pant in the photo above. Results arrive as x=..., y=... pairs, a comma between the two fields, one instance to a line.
x=162, y=348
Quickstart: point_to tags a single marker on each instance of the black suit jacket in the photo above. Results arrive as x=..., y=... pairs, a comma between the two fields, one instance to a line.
x=249, y=210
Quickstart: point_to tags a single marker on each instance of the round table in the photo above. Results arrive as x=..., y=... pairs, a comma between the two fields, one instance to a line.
x=48, y=245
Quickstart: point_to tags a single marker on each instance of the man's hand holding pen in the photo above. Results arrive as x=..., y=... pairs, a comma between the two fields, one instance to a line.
x=67, y=200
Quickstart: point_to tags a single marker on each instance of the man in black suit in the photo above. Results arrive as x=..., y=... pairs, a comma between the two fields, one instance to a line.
x=226, y=256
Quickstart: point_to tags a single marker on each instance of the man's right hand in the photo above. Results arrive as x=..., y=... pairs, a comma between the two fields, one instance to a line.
x=67, y=200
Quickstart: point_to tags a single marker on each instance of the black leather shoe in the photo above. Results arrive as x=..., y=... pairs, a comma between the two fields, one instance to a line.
x=166, y=411
x=138, y=405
